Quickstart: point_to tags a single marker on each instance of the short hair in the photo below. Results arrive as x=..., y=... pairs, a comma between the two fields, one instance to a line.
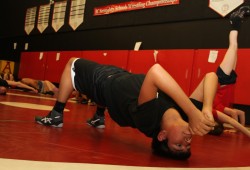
x=161, y=148
x=218, y=129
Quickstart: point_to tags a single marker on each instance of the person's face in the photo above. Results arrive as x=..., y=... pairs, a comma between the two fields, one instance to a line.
x=179, y=138
x=3, y=90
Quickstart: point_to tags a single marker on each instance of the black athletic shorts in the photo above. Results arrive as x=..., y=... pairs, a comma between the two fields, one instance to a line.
x=225, y=79
x=90, y=77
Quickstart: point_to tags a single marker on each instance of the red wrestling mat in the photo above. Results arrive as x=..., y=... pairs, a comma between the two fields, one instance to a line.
x=21, y=138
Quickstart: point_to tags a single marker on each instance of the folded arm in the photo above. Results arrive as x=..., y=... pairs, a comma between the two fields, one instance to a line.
x=158, y=78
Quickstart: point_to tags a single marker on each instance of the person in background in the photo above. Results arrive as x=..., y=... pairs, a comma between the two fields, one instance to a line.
x=5, y=84
x=43, y=87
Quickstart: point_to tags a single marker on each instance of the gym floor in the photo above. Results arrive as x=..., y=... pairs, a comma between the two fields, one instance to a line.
x=25, y=144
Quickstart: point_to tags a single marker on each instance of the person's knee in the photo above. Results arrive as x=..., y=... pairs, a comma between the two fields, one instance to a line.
x=155, y=69
x=212, y=74
x=71, y=61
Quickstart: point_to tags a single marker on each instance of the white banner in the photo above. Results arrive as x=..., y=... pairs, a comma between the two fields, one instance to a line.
x=30, y=20
x=76, y=13
x=224, y=7
x=59, y=15
x=43, y=17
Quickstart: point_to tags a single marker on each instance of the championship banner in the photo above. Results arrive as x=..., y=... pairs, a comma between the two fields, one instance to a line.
x=224, y=7
x=59, y=15
x=132, y=5
x=76, y=13
x=43, y=18
x=30, y=20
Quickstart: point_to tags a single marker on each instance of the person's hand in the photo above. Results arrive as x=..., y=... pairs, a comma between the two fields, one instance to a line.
x=200, y=123
x=208, y=114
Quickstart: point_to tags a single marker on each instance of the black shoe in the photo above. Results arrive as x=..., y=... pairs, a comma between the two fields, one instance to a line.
x=54, y=119
x=97, y=121
x=237, y=17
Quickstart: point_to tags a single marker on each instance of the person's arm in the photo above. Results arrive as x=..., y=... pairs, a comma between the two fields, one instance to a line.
x=20, y=85
x=158, y=78
x=205, y=93
x=227, y=119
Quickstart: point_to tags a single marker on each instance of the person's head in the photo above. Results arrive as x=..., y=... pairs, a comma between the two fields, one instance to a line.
x=162, y=148
x=3, y=90
x=174, y=143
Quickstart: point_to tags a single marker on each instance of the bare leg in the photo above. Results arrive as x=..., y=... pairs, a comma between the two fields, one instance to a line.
x=241, y=115
x=236, y=114
x=205, y=93
x=210, y=88
x=30, y=82
x=229, y=62
x=55, y=117
x=231, y=112
x=206, y=90
x=65, y=86
x=50, y=87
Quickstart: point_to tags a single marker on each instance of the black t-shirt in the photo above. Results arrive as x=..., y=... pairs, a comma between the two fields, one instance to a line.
x=121, y=95
x=3, y=83
x=89, y=77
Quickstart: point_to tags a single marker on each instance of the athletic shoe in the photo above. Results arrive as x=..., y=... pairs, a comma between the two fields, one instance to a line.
x=54, y=119
x=97, y=122
x=237, y=16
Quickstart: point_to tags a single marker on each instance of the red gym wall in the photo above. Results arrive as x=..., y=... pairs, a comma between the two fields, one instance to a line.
x=187, y=66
